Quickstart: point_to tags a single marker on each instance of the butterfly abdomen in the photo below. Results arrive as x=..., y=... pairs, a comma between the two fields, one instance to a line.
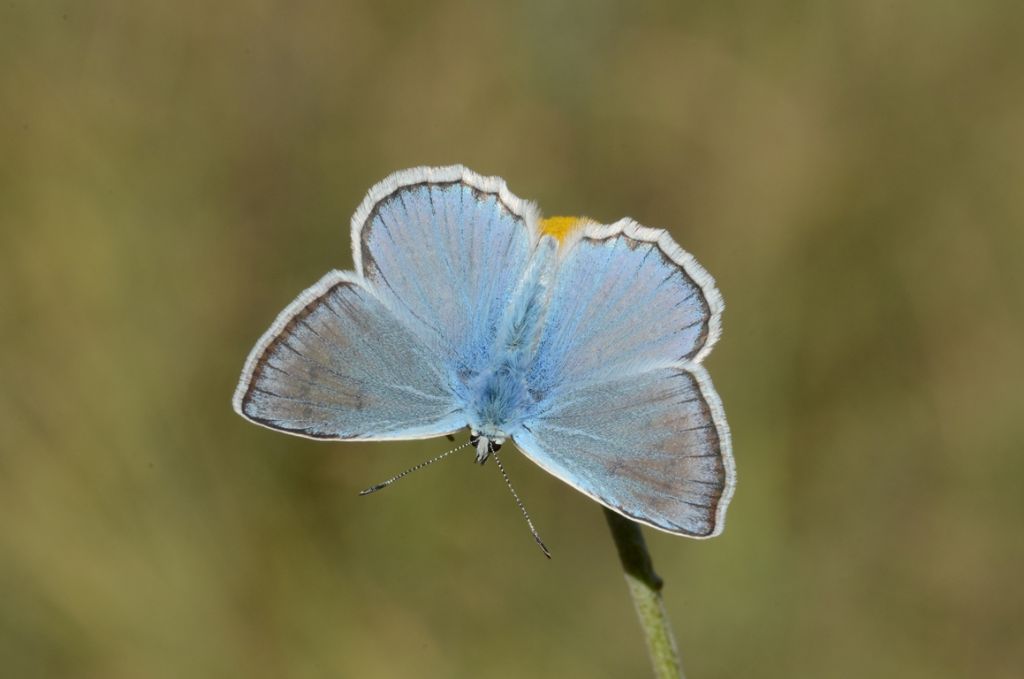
x=495, y=395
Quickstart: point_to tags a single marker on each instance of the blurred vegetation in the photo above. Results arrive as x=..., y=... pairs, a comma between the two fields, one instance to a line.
x=174, y=173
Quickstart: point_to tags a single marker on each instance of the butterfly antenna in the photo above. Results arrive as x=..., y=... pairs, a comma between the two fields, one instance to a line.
x=519, y=503
x=410, y=470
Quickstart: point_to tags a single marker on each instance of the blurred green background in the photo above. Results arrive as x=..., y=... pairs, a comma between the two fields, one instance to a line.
x=173, y=174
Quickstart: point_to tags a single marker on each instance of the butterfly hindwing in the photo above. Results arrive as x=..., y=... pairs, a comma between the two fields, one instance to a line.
x=626, y=298
x=445, y=249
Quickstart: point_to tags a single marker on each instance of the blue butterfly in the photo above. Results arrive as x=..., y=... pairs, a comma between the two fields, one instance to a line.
x=580, y=342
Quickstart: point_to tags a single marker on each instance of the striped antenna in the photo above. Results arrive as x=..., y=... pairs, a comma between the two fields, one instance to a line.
x=519, y=503
x=410, y=470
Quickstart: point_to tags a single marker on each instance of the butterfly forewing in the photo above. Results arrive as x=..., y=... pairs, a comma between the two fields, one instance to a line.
x=653, y=447
x=337, y=364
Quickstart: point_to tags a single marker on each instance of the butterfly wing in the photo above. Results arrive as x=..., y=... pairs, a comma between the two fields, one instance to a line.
x=653, y=446
x=337, y=364
x=627, y=414
x=444, y=248
x=375, y=354
x=626, y=298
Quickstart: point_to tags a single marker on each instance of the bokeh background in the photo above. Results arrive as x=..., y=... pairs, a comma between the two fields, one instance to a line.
x=172, y=174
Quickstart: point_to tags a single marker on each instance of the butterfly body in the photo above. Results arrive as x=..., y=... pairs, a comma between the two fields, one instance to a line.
x=497, y=396
x=580, y=342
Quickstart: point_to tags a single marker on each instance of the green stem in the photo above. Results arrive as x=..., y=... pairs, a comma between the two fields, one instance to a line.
x=645, y=589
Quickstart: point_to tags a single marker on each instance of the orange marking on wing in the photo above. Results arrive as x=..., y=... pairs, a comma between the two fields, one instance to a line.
x=560, y=227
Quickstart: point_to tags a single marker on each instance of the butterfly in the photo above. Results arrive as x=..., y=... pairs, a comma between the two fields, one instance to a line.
x=580, y=342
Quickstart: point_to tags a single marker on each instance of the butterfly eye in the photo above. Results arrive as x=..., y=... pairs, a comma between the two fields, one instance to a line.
x=474, y=438
x=495, y=447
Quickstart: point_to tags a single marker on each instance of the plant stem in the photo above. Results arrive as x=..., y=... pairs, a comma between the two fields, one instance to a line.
x=645, y=589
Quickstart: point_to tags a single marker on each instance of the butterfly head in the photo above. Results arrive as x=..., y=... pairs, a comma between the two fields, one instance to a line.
x=485, y=445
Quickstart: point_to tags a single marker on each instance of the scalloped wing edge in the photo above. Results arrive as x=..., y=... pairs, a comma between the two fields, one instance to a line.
x=524, y=209
x=683, y=259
